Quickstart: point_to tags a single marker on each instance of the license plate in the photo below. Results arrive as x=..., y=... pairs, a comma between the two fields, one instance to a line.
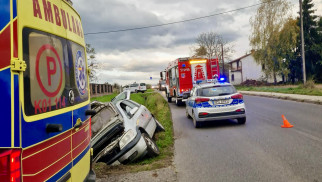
x=216, y=102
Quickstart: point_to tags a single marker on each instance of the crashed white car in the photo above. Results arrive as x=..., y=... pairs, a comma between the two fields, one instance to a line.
x=122, y=131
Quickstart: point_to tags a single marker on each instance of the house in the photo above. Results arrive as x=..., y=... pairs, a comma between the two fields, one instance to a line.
x=246, y=68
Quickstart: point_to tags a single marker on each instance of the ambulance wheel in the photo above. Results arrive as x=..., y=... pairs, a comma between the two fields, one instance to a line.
x=241, y=120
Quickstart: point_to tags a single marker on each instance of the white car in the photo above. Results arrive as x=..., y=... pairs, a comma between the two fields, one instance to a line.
x=215, y=101
x=134, y=88
x=122, y=131
x=142, y=87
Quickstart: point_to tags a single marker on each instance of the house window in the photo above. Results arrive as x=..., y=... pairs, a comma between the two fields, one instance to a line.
x=232, y=77
x=237, y=64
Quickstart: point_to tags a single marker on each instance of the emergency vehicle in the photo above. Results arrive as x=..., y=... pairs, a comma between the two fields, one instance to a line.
x=183, y=74
x=45, y=133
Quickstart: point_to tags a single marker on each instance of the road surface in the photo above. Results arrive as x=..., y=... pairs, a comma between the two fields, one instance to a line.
x=260, y=150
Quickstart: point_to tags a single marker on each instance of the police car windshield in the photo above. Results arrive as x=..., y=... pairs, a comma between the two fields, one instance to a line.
x=216, y=91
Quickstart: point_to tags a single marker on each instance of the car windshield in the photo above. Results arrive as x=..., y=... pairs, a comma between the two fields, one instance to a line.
x=105, y=114
x=216, y=91
x=142, y=84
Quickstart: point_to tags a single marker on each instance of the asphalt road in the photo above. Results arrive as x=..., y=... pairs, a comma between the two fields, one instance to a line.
x=260, y=150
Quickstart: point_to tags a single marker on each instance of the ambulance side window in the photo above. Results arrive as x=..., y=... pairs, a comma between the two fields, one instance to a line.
x=56, y=75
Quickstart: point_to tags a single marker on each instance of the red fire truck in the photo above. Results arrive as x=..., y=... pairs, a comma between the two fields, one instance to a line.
x=183, y=73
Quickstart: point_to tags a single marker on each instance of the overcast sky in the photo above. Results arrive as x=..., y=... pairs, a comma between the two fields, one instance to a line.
x=135, y=56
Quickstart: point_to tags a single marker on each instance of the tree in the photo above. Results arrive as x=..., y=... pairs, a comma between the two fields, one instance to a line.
x=210, y=45
x=266, y=26
x=91, y=62
x=312, y=41
x=287, y=48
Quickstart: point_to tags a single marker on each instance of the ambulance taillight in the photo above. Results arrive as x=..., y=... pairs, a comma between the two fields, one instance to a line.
x=10, y=165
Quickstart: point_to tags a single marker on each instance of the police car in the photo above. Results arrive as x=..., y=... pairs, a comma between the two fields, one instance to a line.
x=215, y=101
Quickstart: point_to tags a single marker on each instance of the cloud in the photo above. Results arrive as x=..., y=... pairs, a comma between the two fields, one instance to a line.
x=129, y=56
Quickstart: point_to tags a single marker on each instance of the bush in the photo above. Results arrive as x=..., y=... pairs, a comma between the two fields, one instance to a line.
x=310, y=84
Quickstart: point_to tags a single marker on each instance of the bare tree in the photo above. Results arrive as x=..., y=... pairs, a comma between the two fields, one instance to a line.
x=210, y=45
x=92, y=63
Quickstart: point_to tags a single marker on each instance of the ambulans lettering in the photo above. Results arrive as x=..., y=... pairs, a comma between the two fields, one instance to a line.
x=48, y=12
x=62, y=18
x=57, y=17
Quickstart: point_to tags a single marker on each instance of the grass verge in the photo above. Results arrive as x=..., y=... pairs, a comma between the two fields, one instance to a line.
x=160, y=109
x=287, y=89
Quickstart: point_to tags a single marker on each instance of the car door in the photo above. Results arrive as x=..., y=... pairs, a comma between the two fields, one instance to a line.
x=189, y=102
x=53, y=98
x=122, y=96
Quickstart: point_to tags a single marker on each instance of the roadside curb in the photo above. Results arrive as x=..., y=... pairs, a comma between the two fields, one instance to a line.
x=294, y=97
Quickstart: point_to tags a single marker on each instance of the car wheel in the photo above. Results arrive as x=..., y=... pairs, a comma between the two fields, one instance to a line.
x=241, y=120
x=152, y=147
x=187, y=114
x=196, y=124
x=169, y=98
x=178, y=102
x=136, y=91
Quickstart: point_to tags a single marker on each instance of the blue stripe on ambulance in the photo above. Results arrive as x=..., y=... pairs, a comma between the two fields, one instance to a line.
x=5, y=107
x=4, y=13
x=16, y=111
x=61, y=173
x=35, y=132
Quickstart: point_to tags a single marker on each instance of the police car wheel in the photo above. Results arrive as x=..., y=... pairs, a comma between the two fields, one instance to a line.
x=187, y=114
x=196, y=124
x=241, y=120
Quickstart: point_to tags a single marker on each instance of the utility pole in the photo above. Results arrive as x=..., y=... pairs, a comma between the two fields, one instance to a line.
x=223, y=63
x=302, y=44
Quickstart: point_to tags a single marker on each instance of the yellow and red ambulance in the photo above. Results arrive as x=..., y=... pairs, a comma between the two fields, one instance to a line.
x=44, y=131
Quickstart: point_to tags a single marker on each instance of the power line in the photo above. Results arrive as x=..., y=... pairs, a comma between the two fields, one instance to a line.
x=182, y=21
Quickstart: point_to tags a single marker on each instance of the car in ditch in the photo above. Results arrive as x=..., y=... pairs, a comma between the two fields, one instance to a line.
x=215, y=101
x=122, y=131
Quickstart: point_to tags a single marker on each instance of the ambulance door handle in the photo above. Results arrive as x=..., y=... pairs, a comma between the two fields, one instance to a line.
x=50, y=128
x=78, y=124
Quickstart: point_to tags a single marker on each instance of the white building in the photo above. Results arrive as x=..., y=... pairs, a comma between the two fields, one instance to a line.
x=246, y=68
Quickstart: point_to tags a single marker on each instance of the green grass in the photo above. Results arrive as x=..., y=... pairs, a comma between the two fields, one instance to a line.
x=160, y=109
x=105, y=98
x=283, y=89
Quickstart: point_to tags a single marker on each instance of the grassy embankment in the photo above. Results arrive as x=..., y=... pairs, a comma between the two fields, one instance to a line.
x=288, y=89
x=160, y=109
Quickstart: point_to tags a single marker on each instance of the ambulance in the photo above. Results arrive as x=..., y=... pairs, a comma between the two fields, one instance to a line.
x=183, y=74
x=44, y=133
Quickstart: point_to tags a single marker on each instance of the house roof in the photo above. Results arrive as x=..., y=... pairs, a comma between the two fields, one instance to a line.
x=235, y=60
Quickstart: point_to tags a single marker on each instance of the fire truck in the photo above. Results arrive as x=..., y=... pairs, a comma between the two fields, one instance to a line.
x=183, y=74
